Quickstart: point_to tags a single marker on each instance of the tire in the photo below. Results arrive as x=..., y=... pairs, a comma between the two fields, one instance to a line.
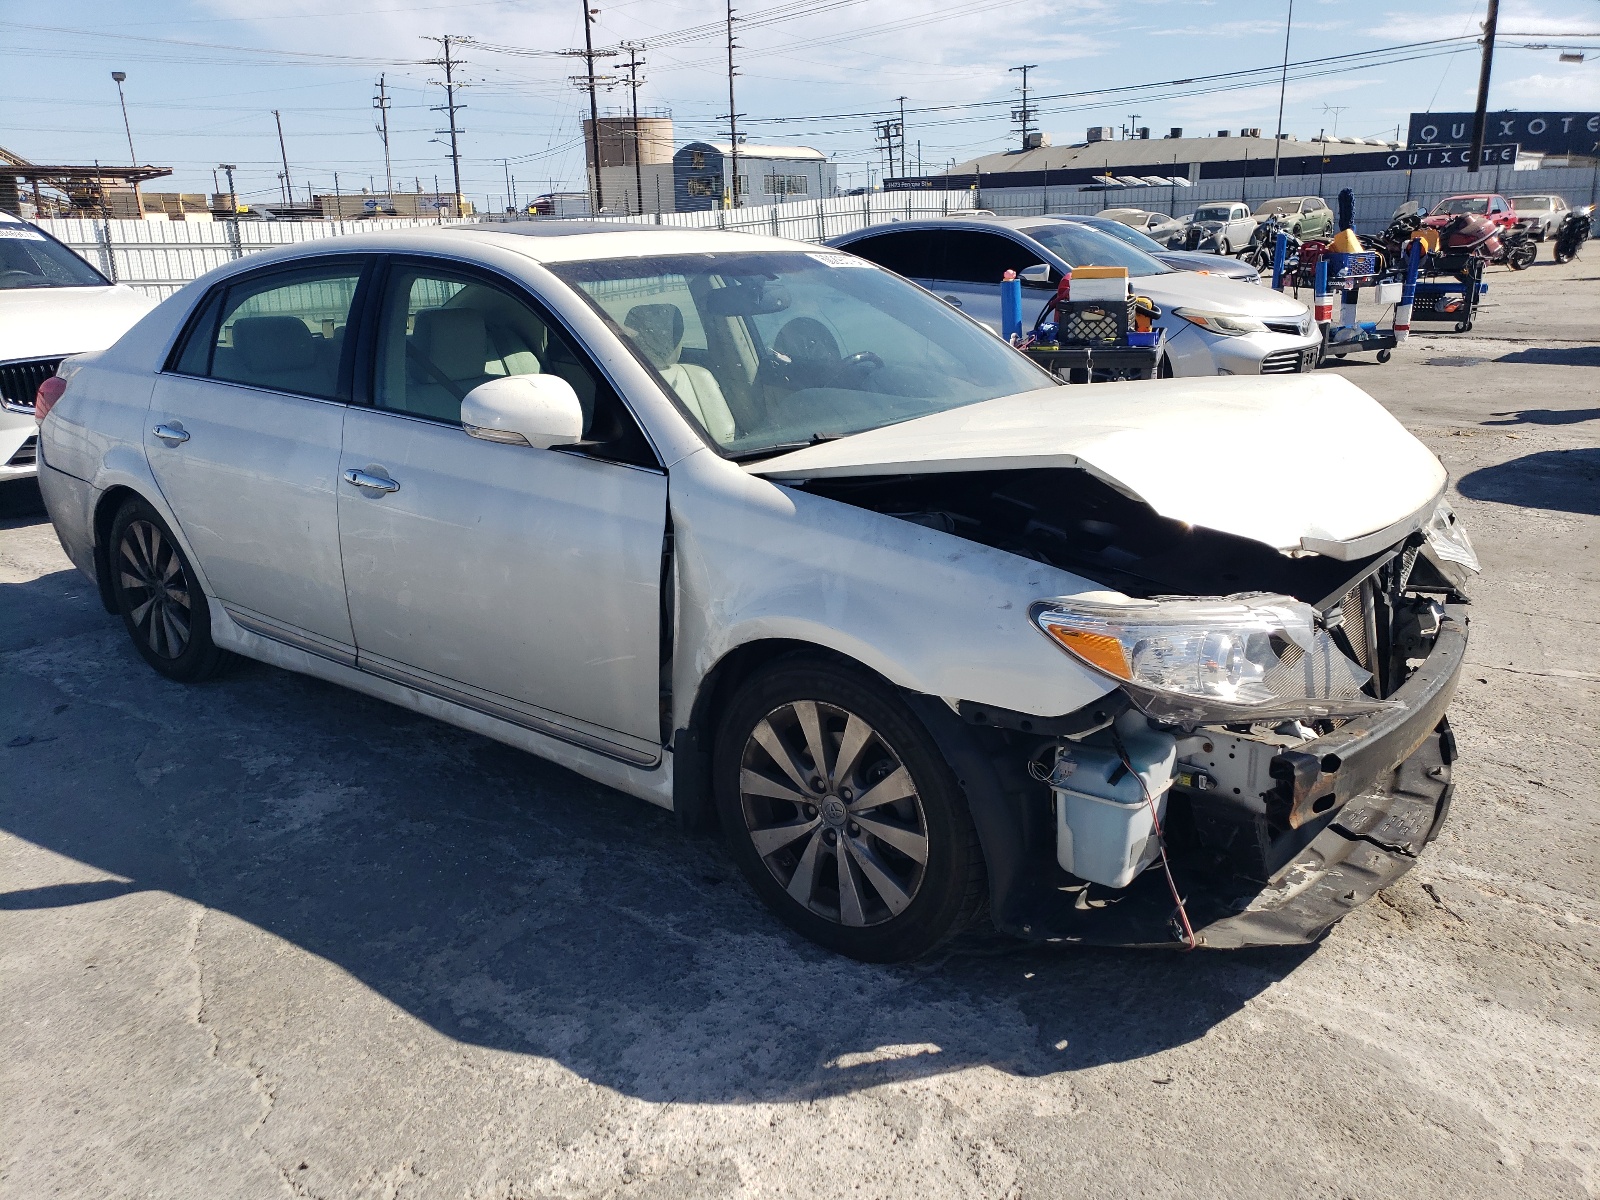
x=1223, y=248
x=886, y=906
x=161, y=602
x=1384, y=356
x=1523, y=257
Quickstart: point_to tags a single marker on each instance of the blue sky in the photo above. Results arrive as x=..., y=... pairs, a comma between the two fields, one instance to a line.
x=204, y=75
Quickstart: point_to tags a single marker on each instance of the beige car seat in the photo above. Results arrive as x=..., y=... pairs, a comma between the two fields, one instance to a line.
x=657, y=329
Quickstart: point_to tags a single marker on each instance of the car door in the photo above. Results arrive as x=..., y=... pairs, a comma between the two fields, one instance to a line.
x=970, y=264
x=522, y=582
x=243, y=439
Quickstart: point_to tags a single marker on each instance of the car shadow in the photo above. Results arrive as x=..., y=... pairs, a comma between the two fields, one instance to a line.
x=1555, y=356
x=19, y=498
x=511, y=904
x=1559, y=480
x=1545, y=416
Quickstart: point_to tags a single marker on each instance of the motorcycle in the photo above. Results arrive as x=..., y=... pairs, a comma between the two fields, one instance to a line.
x=1264, y=243
x=1470, y=235
x=1573, y=232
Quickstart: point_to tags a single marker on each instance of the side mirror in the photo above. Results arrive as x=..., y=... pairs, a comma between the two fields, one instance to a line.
x=524, y=410
x=1038, y=275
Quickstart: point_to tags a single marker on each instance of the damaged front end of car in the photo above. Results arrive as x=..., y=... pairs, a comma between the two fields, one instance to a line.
x=1275, y=749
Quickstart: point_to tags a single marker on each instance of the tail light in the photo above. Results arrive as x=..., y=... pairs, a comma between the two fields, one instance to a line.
x=47, y=395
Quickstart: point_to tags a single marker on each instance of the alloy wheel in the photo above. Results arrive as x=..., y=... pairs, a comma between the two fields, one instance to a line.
x=833, y=813
x=155, y=589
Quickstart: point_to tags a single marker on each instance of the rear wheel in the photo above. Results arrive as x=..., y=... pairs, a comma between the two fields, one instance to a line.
x=162, y=605
x=842, y=813
x=1523, y=255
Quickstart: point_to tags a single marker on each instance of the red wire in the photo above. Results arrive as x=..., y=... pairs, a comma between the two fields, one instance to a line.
x=1191, y=942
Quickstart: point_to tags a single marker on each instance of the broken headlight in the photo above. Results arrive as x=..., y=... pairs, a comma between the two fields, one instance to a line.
x=1237, y=658
x=1448, y=547
x=1225, y=324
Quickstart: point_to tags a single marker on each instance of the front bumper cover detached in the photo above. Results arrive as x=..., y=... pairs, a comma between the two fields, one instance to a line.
x=1365, y=799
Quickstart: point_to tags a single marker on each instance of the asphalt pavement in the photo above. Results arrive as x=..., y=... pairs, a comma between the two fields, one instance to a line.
x=267, y=937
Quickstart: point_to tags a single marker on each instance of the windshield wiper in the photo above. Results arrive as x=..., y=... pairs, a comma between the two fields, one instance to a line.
x=767, y=451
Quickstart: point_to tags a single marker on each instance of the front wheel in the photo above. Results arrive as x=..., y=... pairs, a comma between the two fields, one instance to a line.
x=161, y=602
x=842, y=813
x=1223, y=248
x=1522, y=256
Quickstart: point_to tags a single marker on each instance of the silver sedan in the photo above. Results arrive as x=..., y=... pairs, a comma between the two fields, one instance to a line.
x=765, y=535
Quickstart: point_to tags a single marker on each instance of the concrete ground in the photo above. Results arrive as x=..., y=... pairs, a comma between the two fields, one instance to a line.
x=266, y=937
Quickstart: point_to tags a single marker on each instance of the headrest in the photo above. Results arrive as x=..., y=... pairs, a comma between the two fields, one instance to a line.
x=454, y=340
x=269, y=344
x=658, y=329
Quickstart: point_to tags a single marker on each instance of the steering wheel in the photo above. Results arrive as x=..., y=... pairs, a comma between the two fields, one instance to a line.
x=14, y=272
x=861, y=361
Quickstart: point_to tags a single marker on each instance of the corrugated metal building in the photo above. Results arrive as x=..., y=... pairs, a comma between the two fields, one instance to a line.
x=767, y=175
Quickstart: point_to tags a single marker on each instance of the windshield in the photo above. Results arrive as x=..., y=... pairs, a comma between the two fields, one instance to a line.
x=1531, y=203
x=1461, y=204
x=769, y=351
x=1214, y=213
x=29, y=259
x=1079, y=246
x=1125, y=235
x=1278, y=208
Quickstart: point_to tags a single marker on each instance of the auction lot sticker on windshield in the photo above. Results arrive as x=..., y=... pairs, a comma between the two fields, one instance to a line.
x=15, y=231
x=840, y=260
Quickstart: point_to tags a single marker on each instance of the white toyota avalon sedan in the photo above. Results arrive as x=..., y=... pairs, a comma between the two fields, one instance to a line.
x=761, y=533
x=52, y=304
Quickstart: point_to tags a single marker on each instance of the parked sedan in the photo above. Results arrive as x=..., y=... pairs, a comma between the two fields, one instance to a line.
x=1178, y=260
x=1135, y=218
x=1214, y=326
x=52, y=304
x=1541, y=216
x=1304, y=217
x=765, y=535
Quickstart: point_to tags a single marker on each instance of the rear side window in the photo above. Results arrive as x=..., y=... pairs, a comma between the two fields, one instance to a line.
x=971, y=257
x=283, y=331
x=909, y=253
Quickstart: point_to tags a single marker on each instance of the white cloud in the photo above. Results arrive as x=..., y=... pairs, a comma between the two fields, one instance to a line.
x=1577, y=88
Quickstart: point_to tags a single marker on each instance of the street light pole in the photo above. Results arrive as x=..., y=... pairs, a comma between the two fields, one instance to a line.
x=133, y=159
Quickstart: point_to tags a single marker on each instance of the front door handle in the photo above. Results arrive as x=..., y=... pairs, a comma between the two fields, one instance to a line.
x=370, y=482
x=172, y=435
x=951, y=300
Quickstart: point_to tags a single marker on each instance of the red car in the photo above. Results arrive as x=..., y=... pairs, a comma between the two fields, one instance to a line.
x=1497, y=209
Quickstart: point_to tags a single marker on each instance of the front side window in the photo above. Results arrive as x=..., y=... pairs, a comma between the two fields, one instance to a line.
x=441, y=334
x=766, y=350
x=284, y=331
x=30, y=258
x=909, y=253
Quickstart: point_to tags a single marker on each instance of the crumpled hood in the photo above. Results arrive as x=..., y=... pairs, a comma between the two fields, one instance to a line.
x=46, y=322
x=1299, y=463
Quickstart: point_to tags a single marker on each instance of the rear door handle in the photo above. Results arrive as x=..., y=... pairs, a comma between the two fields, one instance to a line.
x=370, y=482
x=173, y=435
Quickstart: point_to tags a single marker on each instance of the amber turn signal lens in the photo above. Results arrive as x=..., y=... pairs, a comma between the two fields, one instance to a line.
x=1097, y=649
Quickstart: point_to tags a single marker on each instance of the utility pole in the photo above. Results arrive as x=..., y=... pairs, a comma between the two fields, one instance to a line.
x=903, y=137
x=1478, y=115
x=511, y=198
x=733, y=114
x=450, y=108
x=133, y=159
x=288, y=186
x=634, y=80
x=233, y=196
x=1024, y=114
x=888, y=132
x=1283, y=86
x=1133, y=124
x=588, y=80
x=381, y=103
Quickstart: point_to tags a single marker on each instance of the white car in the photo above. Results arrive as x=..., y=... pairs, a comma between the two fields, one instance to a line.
x=1214, y=325
x=1221, y=228
x=760, y=533
x=52, y=304
x=1541, y=216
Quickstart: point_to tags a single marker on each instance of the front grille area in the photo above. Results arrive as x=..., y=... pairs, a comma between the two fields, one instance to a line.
x=1292, y=328
x=1288, y=362
x=27, y=453
x=19, y=381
